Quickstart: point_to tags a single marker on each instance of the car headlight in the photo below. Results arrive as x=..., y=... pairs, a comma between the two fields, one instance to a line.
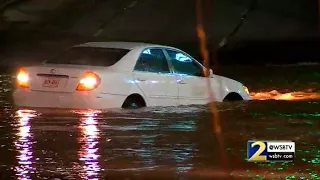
x=245, y=89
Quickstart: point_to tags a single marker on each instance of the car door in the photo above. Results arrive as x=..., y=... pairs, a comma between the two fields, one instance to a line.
x=192, y=83
x=154, y=78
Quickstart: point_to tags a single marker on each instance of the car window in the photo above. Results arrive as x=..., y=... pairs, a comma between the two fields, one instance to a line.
x=152, y=60
x=90, y=56
x=184, y=64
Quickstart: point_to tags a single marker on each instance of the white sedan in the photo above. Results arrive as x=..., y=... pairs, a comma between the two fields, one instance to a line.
x=101, y=75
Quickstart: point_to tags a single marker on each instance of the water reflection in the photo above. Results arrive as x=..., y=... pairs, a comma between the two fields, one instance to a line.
x=147, y=143
x=89, y=138
x=24, y=143
x=275, y=95
x=181, y=156
x=181, y=153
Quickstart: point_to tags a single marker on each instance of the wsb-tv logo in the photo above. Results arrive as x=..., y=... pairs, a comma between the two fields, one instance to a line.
x=270, y=151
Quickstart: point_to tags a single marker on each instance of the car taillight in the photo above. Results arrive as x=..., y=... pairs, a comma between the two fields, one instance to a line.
x=89, y=82
x=23, y=78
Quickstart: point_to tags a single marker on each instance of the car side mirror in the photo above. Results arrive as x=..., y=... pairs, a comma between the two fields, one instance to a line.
x=210, y=75
x=210, y=72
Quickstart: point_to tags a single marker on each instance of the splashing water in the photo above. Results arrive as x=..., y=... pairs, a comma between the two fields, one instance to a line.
x=289, y=96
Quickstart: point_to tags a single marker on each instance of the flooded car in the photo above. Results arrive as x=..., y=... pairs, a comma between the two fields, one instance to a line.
x=100, y=75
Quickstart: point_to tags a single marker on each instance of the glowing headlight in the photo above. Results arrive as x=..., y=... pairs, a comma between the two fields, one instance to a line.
x=245, y=89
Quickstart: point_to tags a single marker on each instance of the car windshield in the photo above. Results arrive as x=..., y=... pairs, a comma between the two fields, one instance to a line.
x=90, y=56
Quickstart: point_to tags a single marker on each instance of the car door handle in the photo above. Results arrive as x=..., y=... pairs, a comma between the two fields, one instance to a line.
x=180, y=81
x=141, y=79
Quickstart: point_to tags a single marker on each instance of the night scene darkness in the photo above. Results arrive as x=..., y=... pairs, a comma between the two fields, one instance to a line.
x=159, y=89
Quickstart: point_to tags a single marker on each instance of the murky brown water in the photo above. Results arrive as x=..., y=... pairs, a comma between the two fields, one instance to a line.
x=161, y=143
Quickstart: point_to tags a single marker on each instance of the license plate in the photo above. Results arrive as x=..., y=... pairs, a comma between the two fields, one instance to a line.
x=52, y=83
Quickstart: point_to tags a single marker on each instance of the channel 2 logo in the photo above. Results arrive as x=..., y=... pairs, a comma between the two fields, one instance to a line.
x=270, y=151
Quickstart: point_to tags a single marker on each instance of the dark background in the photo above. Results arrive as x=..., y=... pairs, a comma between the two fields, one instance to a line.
x=276, y=32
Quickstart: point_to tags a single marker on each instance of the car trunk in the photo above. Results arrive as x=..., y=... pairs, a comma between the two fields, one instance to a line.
x=63, y=72
x=57, y=78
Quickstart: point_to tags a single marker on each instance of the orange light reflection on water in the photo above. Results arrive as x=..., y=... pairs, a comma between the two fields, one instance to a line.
x=289, y=96
x=89, y=138
x=23, y=144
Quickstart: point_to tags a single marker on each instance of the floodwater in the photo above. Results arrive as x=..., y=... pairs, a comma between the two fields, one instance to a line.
x=171, y=142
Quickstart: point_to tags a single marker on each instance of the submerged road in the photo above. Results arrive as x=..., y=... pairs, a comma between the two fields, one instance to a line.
x=164, y=143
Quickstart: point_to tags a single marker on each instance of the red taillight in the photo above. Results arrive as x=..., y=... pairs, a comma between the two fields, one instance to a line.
x=89, y=82
x=23, y=78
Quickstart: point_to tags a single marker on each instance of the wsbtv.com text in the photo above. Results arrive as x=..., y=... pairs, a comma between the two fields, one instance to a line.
x=265, y=150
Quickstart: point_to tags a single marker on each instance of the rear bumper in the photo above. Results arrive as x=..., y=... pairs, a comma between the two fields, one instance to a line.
x=76, y=100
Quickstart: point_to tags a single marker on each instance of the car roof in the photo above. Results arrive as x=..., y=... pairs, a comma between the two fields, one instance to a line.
x=121, y=45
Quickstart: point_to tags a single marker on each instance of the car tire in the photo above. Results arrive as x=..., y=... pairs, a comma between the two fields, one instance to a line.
x=233, y=97
x=134, y=101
